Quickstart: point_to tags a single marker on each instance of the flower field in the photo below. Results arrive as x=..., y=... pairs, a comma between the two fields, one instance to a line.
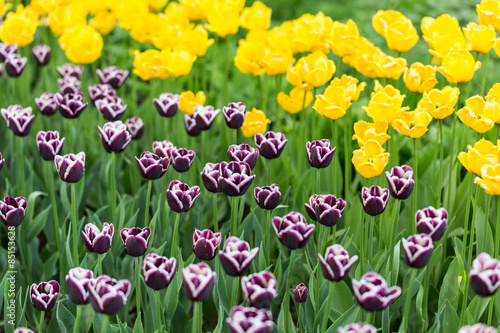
x=232, y=166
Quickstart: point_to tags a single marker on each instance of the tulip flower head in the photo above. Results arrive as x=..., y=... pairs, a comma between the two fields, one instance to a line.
x=98, y=241
x=400, y=181
x=336, y=263
x=82, y=45
x=418, y=250
x=373, y=293
x=480, y=38
x=477, y=328
x=112, y=75
x=151, y=166
x=485, y=275
x=483, y=153
x=69, y=85
x=320, y=153
x=432, y=221
x=114, y=136
x=188, y=101
x=71, y=105
x=325, y=208
x=204, y=116
x=18, y=119
x=271, y=144
x=256, y=17
x=199, y=280
x=255, y=122
x=420, y=78
x=478, y=114
x=135, y=240
x=259, y=289
x=300, y=293
x=439, y=103
x=358, y=328
x=385, y=103
x=158, y=271
x=163, y=148
x=49, y=145
x=333, y=103
x=182, y=159
x=490, y=179
x=292, y=230
x=23, y=330
x=43, y=296
x=489, y=13
x=6, y=49
x=250, y=320
x=412, y=124
x=243, y=153
x=459, y=66
x=77, y=282
x=181, y=197
x=364, y=131
x=234, y=114
x=14, y=64
x=190, y=125
x=100, y=91
x=135, y=127
x=111, y=108
x=70, y=167
x=47, y=104
x=107, y=295
x=71, y=70
x=235, y=178
x=267, y=197
x=41, y=53
x=237, y=256
x=167, y=104
x=374, y=199
x=206, y=244
x=210, y=177
x=12, y=211
x=370, y=160
x=313, y=70
x=298, y=100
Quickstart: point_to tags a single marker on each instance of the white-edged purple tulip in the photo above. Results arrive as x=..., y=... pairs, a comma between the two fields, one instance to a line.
x=336, y=263
x=151, y=166
x=71, y=105
x=47, y=104
x=43, y=296
x=181, y=197
x=206, y=244
x=235, y=178
x=484, y=275
x=112, y=75
x=190, y=125
x=292, y=230
x=210, y=177
x=69, y=85
x=167, y=104
x=70, y=167
x=300, y=293
x=15, y=64
x=12, y=211
x=320, y=153
x=49, y=144
x=358, y=328
x=432, y=221
x=182, y=159
x=158, y=271
x=107, y=295
x=204, y=116
x=23, y=330
x=114, y=136
x=41, y=53
x=234, y=114
x=250, y=320
x=327, y=209
x=199, y=279
x=243, y=153
x=18, y=119
x=418, y=250
x=100, y=91
x=6, y=49
x=163, y=148
x=135, y=126
x=111, y=107
x=98, y=241
x=267, y=197
x=373, y=293
x=374, y=199
x=77, y=283
x=271, y=144
x=135, y=240
x=477, y=328
x=400, y=181
x=237, y=256
x=259, y=289
x=71, y=70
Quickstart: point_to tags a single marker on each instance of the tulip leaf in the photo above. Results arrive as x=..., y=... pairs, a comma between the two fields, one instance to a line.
x=37, y=225
x=477, y=307
x=347, y=317
x=484, y=235
x=450, y=288
x=450, y=318
x=138, y=326
x=65, y=318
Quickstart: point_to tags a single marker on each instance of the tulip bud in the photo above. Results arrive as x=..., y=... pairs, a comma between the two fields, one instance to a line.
x=182, y=159
x=70, y=167
x=107, y=295
x=167, y=104
x=400, y=181
x=190, y=124
x=271, y=144
x=358, y=328
x=100, y=91
x=418, y=250
x=77, y=282
x=292, y=230
x=235, y=178
x=14, y=64
x=485, y=275
x=135, y=240
x=243, y=153
x=373, y=293
x=163, y=148
x=18, y=119
x=210, y=177
x=181, y=197
x=267, y=197
x=250, y=320
x=71, y=105
x=259, y=289
x=432, y=221
x=41, y=53
x=237, y=256
x=206, y=244
x=47, y=104
x=320, y=153
x=199, y=280
x=7, y=49
x=234, y=114
x=112, y=75
x=374, y=199
x=98, y=241
x=336, y=263
x=204, y=116
x=151, y=166
x=111, y=107
x=158, y=271
x=70, y=70
x=69, y=85
x=478, y=328
x=12, y=211
x=114, y=136
x=327, y=209
x=23, y=330
x=135, y=127
x=43, y=296
x=300, y=293
x=49, y=145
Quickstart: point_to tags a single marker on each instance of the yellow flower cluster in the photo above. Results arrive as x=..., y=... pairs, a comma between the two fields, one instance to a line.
x=483, y=161
x=338, y=97
x=398, y=30
x=20, y=26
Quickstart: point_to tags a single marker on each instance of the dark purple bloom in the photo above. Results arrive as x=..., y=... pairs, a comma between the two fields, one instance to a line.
x=267, y=197
x=485, y=275
x=374, y=199
x=327, y=209
x=251, y=320
x=71, y=105
x=190, y=124
x=235, y=178
x=199, y=280
x=2, y=66
x=107, y=295
x=243, y=153
x=418, y=250
x=292, y=230
x=98, y=241
x=206, y=244
x=320, y=153
x=204, y=116
x=18, y=119
x=11, y=110
x=70, y=167
x=135, y=127
x=2, y=161
x=6, y=50
x=23, y=330
x=69, y=85
x=163, y=148
x=151, y=166
x=336, y=263
x=358, y=328
x=14, y=64
x=77, y=283
x=210, y=177
x=47, y=104
x=12, y=211
x=111, y=107
x=400, y=181
x=158, y=271
x=41, y=53
x=373, y=293
x=100, y=91
x=43, y=296
x=135, y=240
x=271, y=144
x=182, y=159
x=300, y=293
x=113, y=76
x=259, y=289
x=70, y=70
x=114, y=136
x=49, y=144
x=234, y=114
x=477, y=328
x=167, y=104
x=432, y=221
x=237, y=256
x=181, y=197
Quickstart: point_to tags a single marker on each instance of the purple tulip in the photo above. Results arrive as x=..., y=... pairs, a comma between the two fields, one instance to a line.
x=100, y=91
x=237, y=256
x=167, y=104
x=234, y=114
x=151, y=166
x=77, y=283
x=70, y=167
x=107, y=295
x=235, y=178
x=182, y=159
x=477, y=328
x=190, y=124
x=336, y=263
x=112, y=75
x=47, y=104
x=259, y=289
x=163, y=148
x=158, y=271
x=71, y=105
x=358, y=328
x=135, y=240
x=418, y=250
x=7, y=49
x=114, y=136
x=373, y=293
x=374, y=199
x=320, y=153
x=49, y=145
x=300, y=293
x=14, y=64
x=400, y=181
x=250, y=320
x=243, y=153
x=2, y=161
x=1, y=68
x=12, y=211
x=23, y=330
x=69, y=85
x=181, y=197
x=485, y=275
x=135, y=127
x=18, y=119
x=204, y=116
x=199, y=280
x=292, y=230
x=432, y=221
x=111, y=108
x=43, y=296
x=206, y=244
x=267, y=197
x=210, y=177
x=271, y=144
x=41, y=53
x=12, y=110
x=70, y=70
x=327, y=209
x=98, y=241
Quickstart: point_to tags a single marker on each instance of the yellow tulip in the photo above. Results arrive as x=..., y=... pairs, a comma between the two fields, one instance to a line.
x=65, y=17
x=478, y=114
x=439, y=103
x=194, y=9
x=412, y=124
x=480, y=38
x=176, y=15
x=385, y=103
x=370, y=160
x=401, y=35
x=420, y=78
x=4, y=7
x=459, y=66
x=223, y=19
x=384, y=18
x=494, y=96
x=188, y=101
x=145, y=27
x=248, y=57
x=333, y=103
x=295, y=102
x=255, y=122
x=344, y=39
x=375, y=63
x=350, y=85
x=496, y=47
x=303, y=35
x=490, y=179
x=313, y=70
x=166, y=36
x=365, y=131
x=196, y=41
x=128, y=11
x=96, y=6
x=442, y=34
x=257, y=17
x=82, y=45
x=17, y=29
x=103, y=22
x=277, y=62
x=156, y=5
x=489, y=13
x=483, y=153
x=150, y=64
x=179, y=62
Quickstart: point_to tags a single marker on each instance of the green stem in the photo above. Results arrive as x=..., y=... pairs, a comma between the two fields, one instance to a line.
x=78, y=318
x=404, y=323
x=269, y=171
x=334, y=137
x=112, y=187
x=467, y=212
x=99, y=264
x=370, y=237
x=174, y=237
x=441, y=155
x=235, y=292
x=329, y=304
x=452, y=160
x=392, y=239
x=485, y=70
x=318, y=181
x=497, y=252
x=158, y=312
x=105, y=320
x=411, y=225
x=42, y=320
x=216, y=218
x=197, y=317
x=347, y=160
x=137, y=286
x=267, y=233
x=286, y=296
x=50, y=181
x=21, y=165
x=234, y=216
x=74, y=218
x=362, y=247
x=148, y=198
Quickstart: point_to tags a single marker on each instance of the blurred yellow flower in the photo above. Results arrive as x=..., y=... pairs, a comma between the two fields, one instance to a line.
x=489, y=13
x=459, y=66
x=256, y=17
x=313, y=70
x=478, y=114
x=350, y=85
x=255, y=122
x=145, y=27
x=96, y=6
x=276, y=62
x=156, y=5
x=494, y=96
x=179, y=62
x=483, y=153
x=223, y=18
x=42, y=7
x=188, y=101
x=17, y=29
x=384, y=18
x=373, y=63
x=302, y=34
x=150, y=64
x=4, y=7
x=496, y=46
x=194, y=9
x=490, y=179
x=196, y=41
x=370, y=160
x=442, y=34
x=176, y=15
x=129, y=11
x=385, y=103
x=364, y=131
x=67, y=17
x=82, y=45
x=401, y=35
x=420, y=78
x=333, y=103
x=439, y=103
x=248, y=57
x=412, y=124
x=295, y=102
x=344, y=39
x=103, y=22
x=480, y=38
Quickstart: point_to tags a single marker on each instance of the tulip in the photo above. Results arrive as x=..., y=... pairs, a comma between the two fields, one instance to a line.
x=443, y=34
x=256, y=17
x=333, y=103
x=250, y=320
x=267, y=197
x=49, y=145
x=259, y=289
x=490, y=179
x=313, y=70
x=190, y=125
x=484, y=152
x=243, y=153
x=485, y=275
x=18, y=119
x=383, y=19
x=327, y=209
x=374, y=199
x=188, y=101
x=70, y=70
x=135, y=127
x=234, y=114
x=350, y=86
x=135, y=240
x=151, y=166
x=150, y=64
x=480, y=38
x=100, y=91
x=77, y=282
x=23, y=330
x=163, y=148
x=158, y=271
x=107, y=295
x=294, y=103
x=376, y=131
x=7, y=49
x=300, y=293
x=489, y=13
x=41, y=53
x=114, y=136
x=459, y=66
x=47, y=104
x=336, y=263
x=477, y=328
x=111, y=108
x=271, y=144
x=81, y=44
x=210, y=177
x=69, y=85
x=400, y=181
x=223, y=20
x=320, y=153
x=12, y=110
x=70, y=167
x=112, y=75
x=401, y=35
x=199, y=280
x=235, y=178
x=43, y=296
x=181, y=197
x=206, y=244
x=98, y=241
x=419, y=78
x=418, y=249
x=439, y=103
x=432, y=221
x=71, y=105
x=182, y=159
x=255, y=123
x=167, y=104
x=292, y=230
x=14, y=64
x=237, y=256
x=373, y=293
x=478, y=114
x=358, y=328
x=12, y=211
x=385, y=103
x=412, y=124
x=204, y=116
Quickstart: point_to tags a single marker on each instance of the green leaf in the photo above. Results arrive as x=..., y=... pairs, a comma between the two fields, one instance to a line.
x=347, y=318
x=450, y=289
x=37, y=225
x=138, y=326
x=65, y=317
